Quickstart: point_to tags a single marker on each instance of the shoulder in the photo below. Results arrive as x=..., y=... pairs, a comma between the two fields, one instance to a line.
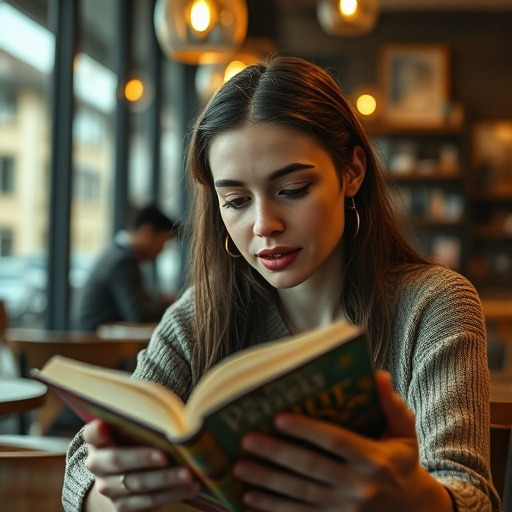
x=168, y=359
x=113, y=256
x=432, y=281
x=182, y=311
x=178, y=324
x=433, y=295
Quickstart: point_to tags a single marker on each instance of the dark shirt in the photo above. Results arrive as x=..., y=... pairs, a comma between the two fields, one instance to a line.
x=116, y=292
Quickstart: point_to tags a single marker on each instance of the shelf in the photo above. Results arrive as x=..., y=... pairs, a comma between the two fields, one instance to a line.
x=414, y=177
x=497, y=308
x=491, y=196
x=379, y=127
x=491, y=233
x=434, y=223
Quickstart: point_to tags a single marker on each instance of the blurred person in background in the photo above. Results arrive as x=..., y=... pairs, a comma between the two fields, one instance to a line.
x=116, y=290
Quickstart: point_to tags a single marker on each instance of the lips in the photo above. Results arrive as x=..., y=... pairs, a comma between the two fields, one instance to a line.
x=278, y=258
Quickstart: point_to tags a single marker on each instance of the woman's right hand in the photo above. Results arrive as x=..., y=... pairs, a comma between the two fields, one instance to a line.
x=134, y=478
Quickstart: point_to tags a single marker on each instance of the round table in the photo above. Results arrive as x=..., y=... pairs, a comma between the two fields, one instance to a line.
x=18, y=395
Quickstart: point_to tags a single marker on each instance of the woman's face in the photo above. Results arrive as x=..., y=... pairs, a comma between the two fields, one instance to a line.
x=280, y=199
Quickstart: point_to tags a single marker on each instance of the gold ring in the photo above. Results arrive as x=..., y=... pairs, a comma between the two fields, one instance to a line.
x=122, y=479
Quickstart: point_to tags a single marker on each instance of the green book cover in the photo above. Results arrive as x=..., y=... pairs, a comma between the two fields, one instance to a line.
x=338, y=387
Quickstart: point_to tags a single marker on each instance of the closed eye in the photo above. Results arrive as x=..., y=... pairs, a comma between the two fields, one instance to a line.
x=296, y=192
x=237, y=203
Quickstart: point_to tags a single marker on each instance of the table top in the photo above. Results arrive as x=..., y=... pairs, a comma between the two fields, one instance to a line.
x=47, y=336
x=19, y=394
x=501, y=398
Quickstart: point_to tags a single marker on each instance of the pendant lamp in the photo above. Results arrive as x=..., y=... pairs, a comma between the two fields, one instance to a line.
x=197, y=31
x=348, y=17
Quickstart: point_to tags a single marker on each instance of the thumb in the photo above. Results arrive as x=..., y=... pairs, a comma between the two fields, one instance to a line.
x=400, y=419
x=98, y=434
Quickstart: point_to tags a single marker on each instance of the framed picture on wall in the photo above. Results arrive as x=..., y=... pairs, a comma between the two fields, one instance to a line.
x=492, y=156
x=415, y=84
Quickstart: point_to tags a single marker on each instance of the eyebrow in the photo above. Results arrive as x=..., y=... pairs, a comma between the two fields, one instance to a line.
x=294, y=167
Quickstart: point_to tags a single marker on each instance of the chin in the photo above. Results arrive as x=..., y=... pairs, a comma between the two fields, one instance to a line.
x=284, y=282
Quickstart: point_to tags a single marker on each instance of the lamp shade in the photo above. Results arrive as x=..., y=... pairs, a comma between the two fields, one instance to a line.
x=347, y=17
x=198, y=31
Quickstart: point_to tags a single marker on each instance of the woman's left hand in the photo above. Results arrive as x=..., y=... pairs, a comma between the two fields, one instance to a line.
x=348, y=472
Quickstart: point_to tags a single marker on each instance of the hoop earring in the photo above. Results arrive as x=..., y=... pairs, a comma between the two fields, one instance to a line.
x=227, y=248
x=352, y=208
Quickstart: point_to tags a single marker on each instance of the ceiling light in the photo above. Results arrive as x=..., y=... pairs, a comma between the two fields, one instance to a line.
x=195, y=31
x=347, y=17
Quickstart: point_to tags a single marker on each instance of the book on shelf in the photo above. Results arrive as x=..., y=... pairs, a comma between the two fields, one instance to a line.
x=325, y=373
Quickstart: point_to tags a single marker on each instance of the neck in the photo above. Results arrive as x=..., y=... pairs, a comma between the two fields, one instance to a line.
x=316, y=302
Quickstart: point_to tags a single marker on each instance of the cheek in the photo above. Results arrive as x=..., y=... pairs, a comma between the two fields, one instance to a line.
x=326, y=217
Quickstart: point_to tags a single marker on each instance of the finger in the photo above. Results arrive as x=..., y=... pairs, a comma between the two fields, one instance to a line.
x=400, y=420
x=333, y=439
x=149, y=502
x=179, y=479
x=286, y=483
x=97, y=433
x=313, y=464
x=117, y=461
x=150, y=481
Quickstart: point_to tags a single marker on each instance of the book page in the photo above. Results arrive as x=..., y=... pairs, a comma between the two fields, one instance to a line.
x=249, y=368
x=144, y=401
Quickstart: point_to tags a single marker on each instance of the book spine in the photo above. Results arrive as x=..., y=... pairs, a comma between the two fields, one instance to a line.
x=214, y=469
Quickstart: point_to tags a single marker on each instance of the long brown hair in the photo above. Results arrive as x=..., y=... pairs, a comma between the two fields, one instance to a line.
x=229, y=294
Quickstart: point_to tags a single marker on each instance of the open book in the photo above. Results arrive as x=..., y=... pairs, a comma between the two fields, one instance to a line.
x=325, y=373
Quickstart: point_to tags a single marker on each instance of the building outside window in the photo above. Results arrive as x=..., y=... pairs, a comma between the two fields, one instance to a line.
x=7, y=107
x=6, y=175
x=6, y=242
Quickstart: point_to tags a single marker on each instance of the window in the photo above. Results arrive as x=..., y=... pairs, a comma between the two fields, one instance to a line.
x=7, y=107
x=6, y=175
x=6, y=242
x=87, y=185
x=89, y=127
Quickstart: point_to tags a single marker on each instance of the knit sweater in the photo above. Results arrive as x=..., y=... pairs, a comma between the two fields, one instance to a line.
x=437, y=360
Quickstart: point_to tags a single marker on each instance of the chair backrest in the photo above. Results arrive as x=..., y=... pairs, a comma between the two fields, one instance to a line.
x=501, y=464
x=31, y=473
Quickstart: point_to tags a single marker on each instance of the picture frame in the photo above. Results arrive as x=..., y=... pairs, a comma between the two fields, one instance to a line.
x=492, y=156
x=415, y=84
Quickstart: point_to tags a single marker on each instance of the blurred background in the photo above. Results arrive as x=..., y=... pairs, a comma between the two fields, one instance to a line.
x=97, y=96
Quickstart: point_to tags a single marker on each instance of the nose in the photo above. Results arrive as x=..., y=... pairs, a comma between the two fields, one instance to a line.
x=268, y=221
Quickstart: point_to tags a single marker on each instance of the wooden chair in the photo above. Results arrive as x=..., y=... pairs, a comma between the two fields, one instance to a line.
x=501, y=436
x=32, y=473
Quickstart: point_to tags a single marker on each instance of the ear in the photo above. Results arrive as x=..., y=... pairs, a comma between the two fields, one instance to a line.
x=353, y=176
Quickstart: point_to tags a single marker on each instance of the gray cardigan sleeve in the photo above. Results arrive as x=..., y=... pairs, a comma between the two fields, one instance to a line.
x=439, y=366
x=166, y=361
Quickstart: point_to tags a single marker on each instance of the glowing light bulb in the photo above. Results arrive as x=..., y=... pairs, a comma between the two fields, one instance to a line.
x=348, y=7
x=133, y=90
x=366, y=104
x=200, y=16
x=233, y=68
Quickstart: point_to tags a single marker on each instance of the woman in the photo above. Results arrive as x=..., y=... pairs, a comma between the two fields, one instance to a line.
x=292, y=228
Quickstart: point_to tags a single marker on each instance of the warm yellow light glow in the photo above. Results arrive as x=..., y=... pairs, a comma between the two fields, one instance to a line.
x=366, y=104
x=226, y=18
x=233, y=68
x=348, y=7
x=200, y=15
x=134, y=89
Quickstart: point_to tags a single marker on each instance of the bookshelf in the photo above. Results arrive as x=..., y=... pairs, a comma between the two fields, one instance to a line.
x=427, y=170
